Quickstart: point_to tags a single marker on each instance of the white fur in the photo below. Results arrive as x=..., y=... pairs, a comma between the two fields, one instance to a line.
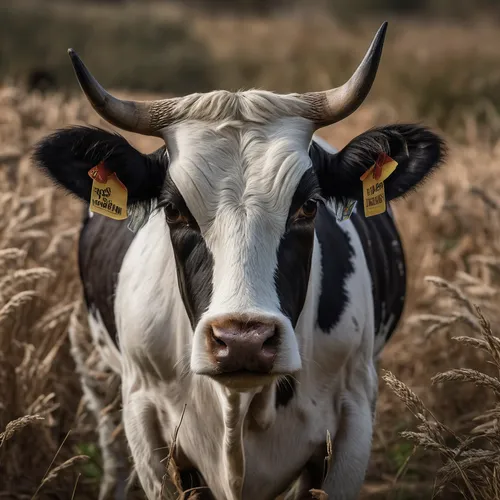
x=238, y=184
x=337, y=373
x=238, y=179
x=104, y=343
x=224, y=107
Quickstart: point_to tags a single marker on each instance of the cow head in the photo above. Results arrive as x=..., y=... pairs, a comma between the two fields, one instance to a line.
x=239, y=191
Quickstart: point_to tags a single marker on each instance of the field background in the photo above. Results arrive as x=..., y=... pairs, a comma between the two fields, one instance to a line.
x=441, y=66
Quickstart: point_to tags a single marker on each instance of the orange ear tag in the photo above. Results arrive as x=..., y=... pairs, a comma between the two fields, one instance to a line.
x=108, y=196
x=373, y=184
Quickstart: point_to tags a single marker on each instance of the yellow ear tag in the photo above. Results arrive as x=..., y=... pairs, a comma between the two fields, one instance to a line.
x=373, y=185
x=108, y=196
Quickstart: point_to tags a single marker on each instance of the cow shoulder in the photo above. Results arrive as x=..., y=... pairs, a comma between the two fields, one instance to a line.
x=385, y=258
x=337, y=265
x=102, y=248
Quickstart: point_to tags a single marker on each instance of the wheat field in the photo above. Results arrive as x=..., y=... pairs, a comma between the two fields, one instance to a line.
x=437, y=429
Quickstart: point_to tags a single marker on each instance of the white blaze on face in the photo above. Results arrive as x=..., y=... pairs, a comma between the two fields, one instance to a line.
x=238, y=181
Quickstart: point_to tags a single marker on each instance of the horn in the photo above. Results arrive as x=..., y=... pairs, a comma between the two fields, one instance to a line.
x=333, y=105
x=133, y=116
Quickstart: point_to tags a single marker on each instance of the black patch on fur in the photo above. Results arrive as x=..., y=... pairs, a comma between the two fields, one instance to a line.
x=285, y=390
x=417, y=150
x=295, y=253
x=384, y=254
x=194, y=261
x=102, y=247
x=336, y=254
x=67, y=155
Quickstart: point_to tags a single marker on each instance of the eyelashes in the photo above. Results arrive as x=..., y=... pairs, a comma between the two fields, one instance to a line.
x=308, y=210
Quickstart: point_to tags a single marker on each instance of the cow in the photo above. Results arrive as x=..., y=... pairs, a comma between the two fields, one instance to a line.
x=243, y=316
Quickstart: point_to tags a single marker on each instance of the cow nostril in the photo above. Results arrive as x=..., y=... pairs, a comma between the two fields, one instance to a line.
x=273, y=340
x=218, y=340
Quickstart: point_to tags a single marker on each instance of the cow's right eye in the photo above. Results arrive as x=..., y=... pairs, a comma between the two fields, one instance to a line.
x=174, y=215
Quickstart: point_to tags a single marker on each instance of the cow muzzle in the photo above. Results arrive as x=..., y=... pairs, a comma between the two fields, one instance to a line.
x=245, y=350
x=243, y=346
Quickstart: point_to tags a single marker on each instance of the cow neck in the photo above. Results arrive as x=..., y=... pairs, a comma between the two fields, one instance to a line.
x=234, y=410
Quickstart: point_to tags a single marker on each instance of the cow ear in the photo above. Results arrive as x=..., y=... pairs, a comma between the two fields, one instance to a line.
x=67, y=155
x=418, y=151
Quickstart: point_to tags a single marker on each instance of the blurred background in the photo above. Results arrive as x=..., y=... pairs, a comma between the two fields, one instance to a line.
x=441, y=58
x=440, y=67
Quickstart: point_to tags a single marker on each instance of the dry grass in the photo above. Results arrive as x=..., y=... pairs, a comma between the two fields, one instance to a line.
x=38, y=291
x=469, y=454
x=450, y=442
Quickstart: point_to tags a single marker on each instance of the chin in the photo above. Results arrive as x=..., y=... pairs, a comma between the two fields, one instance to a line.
x=243, y=380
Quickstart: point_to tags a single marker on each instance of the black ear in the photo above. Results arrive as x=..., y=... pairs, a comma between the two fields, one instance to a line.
x=417, y=150
x=67, y=155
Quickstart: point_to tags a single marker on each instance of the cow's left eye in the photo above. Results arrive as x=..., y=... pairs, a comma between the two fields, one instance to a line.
x=308, y=210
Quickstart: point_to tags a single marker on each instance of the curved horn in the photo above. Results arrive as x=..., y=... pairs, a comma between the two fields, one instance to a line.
x=333, y=105
x=134, y=116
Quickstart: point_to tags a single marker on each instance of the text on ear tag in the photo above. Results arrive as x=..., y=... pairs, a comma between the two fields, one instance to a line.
x=373, y=184
x=108, y=196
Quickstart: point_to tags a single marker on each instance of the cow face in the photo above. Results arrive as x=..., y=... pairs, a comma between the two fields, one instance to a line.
x=239, y=190
x=240, y=201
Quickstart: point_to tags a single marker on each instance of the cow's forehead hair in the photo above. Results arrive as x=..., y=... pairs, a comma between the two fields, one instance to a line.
x=258, y=106
x=238, y=165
